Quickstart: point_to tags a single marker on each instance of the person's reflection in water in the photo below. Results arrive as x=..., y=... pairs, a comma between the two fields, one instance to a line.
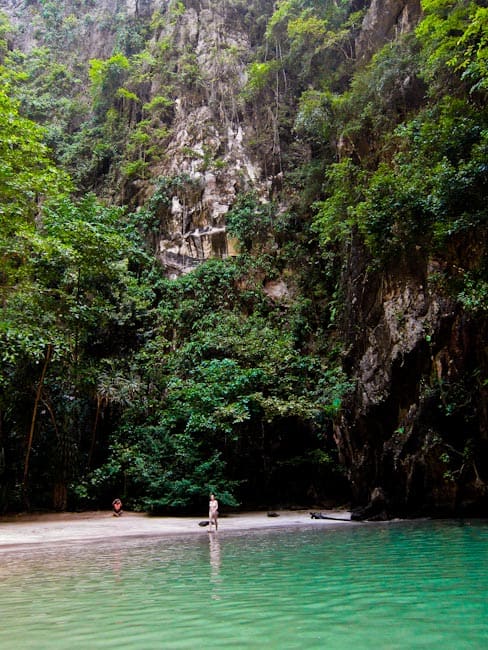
x=117, y=564
x=215, y=578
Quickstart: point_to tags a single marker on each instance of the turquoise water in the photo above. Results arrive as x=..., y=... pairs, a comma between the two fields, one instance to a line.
x=397, y=585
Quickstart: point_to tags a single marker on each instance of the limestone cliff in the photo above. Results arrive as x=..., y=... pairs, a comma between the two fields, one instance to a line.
x=210, y=135
x=414, y=432
x=384, y=21
x=206, y=136
x=415, y=427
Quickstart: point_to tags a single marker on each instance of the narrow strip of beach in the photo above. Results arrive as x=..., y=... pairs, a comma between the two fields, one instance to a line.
x=21, y=530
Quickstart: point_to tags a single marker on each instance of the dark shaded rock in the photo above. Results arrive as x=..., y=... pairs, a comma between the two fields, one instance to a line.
x=375, y=510
x=383, y=22
x=416, y=422
x=316, y=515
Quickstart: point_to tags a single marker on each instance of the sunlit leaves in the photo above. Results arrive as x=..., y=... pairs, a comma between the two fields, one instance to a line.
x=27, y=174
x=250, y=220
x=259, y=77
x=314, y=117
x=104, y=74
x=334, y=219
x=455, y=34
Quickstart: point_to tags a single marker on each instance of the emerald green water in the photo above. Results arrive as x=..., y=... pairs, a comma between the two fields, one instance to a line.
x=397, y=585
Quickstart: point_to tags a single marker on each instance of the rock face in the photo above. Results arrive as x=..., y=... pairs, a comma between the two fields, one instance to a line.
x=384, y=20
x=209, y=135
x=415, y=429
x=92, y=25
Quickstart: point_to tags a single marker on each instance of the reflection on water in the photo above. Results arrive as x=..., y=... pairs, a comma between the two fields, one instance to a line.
x=215, y=579
x=395, y=586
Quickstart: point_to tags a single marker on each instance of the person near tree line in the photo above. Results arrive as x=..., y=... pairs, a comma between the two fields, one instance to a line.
x=213, y=513
x=117, y=507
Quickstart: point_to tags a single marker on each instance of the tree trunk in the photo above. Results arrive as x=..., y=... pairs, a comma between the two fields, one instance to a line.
x=33, y=424
x=60, y=496
x=94, y=431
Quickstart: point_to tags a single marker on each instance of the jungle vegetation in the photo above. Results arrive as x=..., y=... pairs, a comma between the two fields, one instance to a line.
x=118, y=381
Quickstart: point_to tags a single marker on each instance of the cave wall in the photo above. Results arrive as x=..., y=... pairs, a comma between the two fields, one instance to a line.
x=210, y=136
x=416, y=426
x=413, y=435
x=383, y=22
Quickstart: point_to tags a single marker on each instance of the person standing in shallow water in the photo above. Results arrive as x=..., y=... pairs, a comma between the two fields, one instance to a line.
x=213, y=513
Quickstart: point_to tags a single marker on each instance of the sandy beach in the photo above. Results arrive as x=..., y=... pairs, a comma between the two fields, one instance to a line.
x=20, y=530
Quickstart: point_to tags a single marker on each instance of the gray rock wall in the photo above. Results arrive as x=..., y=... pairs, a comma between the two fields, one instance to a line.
x=384, y=20
x=416, y=426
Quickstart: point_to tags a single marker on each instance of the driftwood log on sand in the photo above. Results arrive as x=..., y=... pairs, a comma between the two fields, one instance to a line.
x=319, y=515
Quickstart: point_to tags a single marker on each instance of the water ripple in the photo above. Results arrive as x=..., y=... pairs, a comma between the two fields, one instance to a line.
x=404, y=585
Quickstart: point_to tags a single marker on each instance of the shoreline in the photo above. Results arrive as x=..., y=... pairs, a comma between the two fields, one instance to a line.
x=18, y=531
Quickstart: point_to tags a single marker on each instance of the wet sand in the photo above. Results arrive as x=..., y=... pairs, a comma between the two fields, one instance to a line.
x=20, y=530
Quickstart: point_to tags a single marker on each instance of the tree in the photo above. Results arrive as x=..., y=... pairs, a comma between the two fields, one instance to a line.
x=28, y=175
x=77, y=304
x=230, y=400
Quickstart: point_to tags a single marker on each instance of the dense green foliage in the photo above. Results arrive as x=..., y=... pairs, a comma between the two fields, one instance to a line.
x=116, y=380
